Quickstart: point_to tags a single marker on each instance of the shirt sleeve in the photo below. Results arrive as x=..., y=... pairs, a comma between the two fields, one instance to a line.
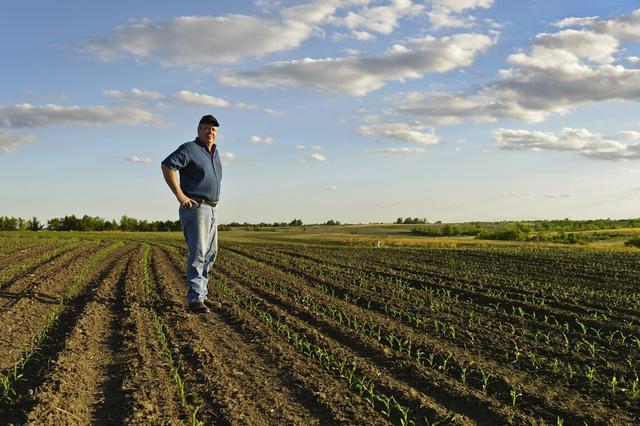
x=178, y=159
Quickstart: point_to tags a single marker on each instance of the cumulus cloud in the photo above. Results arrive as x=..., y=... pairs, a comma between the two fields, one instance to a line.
x=402, y=132
x=273, y=112
x=197, y=40
x=626, y=28
x=559, y=72
x=265, y=140
x=633, y=61
x=227, y=156
x=135, y=94
x=183, y=96
x=403, y=150
x=201, y=99
x=11, y=142
x=379, y=19
x=309, y=147
x=27, y=115
x=136, y=159
x=318, y=157
x=361, y=75
x=581, y=141
x=449, y=13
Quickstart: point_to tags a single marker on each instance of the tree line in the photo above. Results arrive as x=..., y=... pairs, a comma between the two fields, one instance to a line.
x=88, y=223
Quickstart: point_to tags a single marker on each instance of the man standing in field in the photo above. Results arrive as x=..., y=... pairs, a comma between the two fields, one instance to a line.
x=198, y=192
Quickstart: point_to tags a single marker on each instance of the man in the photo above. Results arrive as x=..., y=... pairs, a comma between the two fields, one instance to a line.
x=198, y=193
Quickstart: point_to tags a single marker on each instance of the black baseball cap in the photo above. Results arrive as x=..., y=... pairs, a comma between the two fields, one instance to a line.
x=209, y=119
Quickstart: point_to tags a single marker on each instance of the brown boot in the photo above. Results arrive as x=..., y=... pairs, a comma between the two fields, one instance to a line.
x=198, y=308
x=212, y=304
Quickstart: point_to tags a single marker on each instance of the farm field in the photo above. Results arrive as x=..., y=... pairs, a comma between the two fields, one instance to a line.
x=94, y=329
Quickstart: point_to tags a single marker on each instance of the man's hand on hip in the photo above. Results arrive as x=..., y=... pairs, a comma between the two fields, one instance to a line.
x=187, y=202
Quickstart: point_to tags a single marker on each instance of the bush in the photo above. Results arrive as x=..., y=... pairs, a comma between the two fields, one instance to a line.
x=634, y=242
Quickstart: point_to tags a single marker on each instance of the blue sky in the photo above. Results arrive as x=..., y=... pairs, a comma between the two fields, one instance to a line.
x=359, y=111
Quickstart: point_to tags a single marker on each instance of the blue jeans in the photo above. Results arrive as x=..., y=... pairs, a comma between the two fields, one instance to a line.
x=201, y=234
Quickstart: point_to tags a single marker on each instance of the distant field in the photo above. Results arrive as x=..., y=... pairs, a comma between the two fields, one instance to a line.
x=318, y=326
x=392, y=235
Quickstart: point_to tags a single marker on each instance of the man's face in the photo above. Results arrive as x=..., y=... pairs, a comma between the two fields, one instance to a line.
x=207, y=133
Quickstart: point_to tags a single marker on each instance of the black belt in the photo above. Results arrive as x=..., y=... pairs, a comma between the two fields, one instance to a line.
x=208, y=203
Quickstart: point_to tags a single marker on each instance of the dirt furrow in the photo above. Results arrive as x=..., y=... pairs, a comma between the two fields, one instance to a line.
x=34, y=284
x=535, y=388
x=76, y=386
x=243, y=362
x=20, y=323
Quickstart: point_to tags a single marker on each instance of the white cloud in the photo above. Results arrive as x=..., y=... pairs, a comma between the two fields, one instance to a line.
x=310, y=147
x=135, y=94
x=27, y=115
x=448, y=13
x=584, y=44
x=402, y=132
x=559, y=72
x=458, y=6
x=136, y=159
x=183, y=96
x=201, y=99
x=361, y=75
x=197, y=40
x=11, y=142
x=331, y=188
x=404, y=150
x=227, y=156
x=318, y=157
x=243, y=105
x=273, y=112
x=632, y=135
x=581, y=141
x=265, y=140
x=626, y=28
x=379, y=19
x=513, y=194
x=634, y=61
x=563, y=195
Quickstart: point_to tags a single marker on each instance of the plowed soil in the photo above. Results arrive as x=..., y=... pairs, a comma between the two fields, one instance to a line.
x=317, y=336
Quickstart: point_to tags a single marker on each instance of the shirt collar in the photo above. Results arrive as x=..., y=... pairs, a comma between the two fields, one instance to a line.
x=204, y=145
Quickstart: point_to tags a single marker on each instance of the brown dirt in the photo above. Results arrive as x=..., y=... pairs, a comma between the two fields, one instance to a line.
x=102, y=362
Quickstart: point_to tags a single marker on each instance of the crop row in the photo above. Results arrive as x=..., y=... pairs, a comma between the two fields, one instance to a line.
x=424, y=355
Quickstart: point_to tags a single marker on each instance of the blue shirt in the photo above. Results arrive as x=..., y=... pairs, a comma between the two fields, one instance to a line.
x=200, y=172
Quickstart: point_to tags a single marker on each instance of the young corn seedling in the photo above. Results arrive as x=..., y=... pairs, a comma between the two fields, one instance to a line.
x=194, y=418
x=514, y=396
x=570, y=371
x=485, y=381
x=431, y=359
x=404, y=414
x=371, y=396
x=443, y=367
x=566, y=341
x=592, y=347
x=590, y=374
x=598, y=331
x=614, y=383
x=349, y=376
x=555, y=366
x=387, y=403
x=463, y=373
x=635, y=389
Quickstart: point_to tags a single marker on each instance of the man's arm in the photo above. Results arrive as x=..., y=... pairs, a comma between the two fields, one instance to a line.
x=171, y=177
